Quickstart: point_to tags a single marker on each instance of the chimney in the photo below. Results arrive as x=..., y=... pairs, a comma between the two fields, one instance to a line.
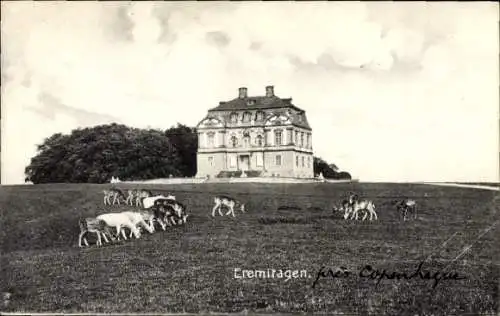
x=270, y=91
x=242, y=92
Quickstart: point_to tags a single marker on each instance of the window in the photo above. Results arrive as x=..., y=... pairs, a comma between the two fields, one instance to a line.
x=297, y=161
x=278, y=160
x=234, y=117
x=211, y=140
x=259, y=116
x=277, y=138
x=258, y=140
x=308, y=141
x=232, y=161
x=210, y=161
x=246, y=140
x=303, y=164
x=309, y=162
x=260, y=160
x=247, y=117
x=234, y=141
x=296, y=137
x=302, y=139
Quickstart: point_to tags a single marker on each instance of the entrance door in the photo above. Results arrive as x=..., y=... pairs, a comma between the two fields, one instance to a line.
x=244, y=162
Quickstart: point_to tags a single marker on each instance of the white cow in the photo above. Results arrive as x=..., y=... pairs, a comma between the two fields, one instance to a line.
x=119, y=220
x=148, y=202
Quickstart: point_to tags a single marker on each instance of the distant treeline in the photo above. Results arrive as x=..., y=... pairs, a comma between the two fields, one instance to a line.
x=95, y=154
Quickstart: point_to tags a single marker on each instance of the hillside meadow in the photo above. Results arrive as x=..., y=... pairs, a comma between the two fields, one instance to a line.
x=191, y=268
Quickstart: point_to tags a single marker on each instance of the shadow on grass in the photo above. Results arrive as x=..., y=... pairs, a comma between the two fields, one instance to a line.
x=289, y=208
x=295, y=220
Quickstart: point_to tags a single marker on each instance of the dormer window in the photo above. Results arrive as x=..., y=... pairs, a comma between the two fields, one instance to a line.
x=247, y=116
x=250, y=102
x=259, y=116
x=234, y=117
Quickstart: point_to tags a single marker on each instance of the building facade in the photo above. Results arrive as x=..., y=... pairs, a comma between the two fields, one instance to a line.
x=255, y=136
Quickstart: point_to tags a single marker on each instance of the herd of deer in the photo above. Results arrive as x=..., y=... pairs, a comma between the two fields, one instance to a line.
x=354, y=208
x=167, y=211
x=160, y=209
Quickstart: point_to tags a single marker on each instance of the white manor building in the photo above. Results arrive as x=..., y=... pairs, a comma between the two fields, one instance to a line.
x=258, y=135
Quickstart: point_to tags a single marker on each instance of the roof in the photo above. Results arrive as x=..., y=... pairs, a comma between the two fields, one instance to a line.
x=256, y=103
x=264, y=102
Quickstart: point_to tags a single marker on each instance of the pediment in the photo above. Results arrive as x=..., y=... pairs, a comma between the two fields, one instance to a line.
x=278, y=119
x=211, y=122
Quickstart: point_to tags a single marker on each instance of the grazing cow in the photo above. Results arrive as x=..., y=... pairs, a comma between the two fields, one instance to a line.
x=93, y=225
x=227, y=201
x=118, y=220
x=406, y=206
x=148, y=202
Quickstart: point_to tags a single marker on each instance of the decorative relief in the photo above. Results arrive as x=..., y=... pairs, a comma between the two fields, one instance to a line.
x=211, y=122
x=278, y=119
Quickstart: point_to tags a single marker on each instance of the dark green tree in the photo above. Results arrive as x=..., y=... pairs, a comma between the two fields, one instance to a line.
x=96, y=154
x=185, y=141
x=329, y=171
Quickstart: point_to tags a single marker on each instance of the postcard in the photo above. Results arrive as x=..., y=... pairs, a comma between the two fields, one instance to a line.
x=195, y=158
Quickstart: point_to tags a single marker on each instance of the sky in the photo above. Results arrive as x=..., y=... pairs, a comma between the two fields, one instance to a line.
x=393, y=91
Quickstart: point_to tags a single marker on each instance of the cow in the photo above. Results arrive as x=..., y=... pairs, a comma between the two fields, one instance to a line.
x=227, y=201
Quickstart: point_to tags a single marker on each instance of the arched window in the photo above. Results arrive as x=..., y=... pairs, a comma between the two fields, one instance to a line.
x=234, y=117
x=246, y=140
x=258, y=140
x=234, y=141
x=278, y=138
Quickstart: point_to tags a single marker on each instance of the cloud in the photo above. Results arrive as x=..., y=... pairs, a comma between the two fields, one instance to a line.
x=379, y=77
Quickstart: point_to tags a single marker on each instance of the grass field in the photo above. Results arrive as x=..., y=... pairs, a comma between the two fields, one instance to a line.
x=191, y=268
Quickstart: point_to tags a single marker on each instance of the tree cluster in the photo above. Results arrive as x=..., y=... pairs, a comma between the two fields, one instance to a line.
x=98, y=153
x=329, y=171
